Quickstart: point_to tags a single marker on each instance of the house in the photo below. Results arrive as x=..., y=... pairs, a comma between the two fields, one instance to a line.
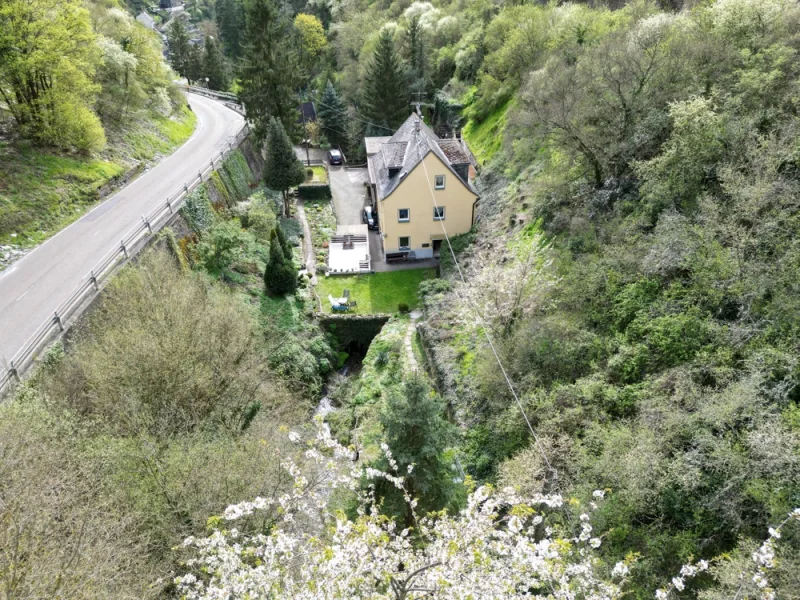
x=420, y=185
x=146, y=20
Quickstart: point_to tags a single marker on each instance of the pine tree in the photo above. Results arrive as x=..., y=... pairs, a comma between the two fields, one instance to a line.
x=230, y=23
x=280, y=276
x=282, y=169
x=385, y=97
x=179, y=48
x=215, y=67
x=268, y=74
x=416, y=433
x=333, y=115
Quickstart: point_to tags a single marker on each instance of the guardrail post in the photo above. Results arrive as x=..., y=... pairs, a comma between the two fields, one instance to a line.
x=58, y=321
x=146, y=222
x=169, y=205
x=93, y=279
x=200, y=175
x=186, y=189
x=13, y=370
x=124, y=249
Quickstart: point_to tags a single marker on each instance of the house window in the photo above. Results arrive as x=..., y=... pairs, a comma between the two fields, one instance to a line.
x=405, y=242
x=438, y=182
x=404, y=215
x=438, y=213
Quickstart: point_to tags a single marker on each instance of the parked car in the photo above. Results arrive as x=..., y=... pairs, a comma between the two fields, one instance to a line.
x=369, y=217
x=335, y=157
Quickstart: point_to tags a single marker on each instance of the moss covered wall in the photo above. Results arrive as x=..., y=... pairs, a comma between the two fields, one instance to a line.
x=347, y=329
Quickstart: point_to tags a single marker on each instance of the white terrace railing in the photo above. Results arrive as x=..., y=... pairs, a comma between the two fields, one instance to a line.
x=88, y=289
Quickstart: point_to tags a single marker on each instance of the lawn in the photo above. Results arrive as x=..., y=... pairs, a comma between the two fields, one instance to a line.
x=319, y=175
x=375, y=293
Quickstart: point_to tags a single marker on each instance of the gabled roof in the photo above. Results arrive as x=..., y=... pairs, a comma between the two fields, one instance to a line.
x=308, y=110
x=404, y=150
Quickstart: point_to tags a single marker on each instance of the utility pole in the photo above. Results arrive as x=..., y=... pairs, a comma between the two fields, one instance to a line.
x=305, y=132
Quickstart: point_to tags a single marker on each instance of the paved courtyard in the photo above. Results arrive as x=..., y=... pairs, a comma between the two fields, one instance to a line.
x=349, y=194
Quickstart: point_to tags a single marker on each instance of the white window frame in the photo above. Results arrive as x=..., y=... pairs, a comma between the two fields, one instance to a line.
x=436, y=184
x=435, y=216
x=401, y=219
x=400, y=246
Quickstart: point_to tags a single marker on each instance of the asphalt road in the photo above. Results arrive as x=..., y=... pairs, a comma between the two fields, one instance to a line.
x=32, y=288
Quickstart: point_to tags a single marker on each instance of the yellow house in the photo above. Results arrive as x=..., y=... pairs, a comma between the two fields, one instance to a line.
x=420, y=187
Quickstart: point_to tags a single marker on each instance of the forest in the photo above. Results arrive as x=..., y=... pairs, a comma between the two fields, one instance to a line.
x=609, y=406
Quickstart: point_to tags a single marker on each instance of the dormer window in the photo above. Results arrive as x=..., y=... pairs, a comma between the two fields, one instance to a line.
x=438, y=182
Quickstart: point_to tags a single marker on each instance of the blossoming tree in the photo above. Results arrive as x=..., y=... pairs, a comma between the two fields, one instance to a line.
x=499, y=546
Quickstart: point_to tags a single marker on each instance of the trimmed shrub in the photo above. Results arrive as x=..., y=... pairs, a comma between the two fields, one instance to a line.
x=314, y=191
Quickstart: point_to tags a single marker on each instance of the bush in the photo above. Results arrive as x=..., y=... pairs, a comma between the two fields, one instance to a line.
x=314, y=191
x=403, y=307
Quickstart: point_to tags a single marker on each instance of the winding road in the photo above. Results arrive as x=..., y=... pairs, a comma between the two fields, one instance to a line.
x=32, y=288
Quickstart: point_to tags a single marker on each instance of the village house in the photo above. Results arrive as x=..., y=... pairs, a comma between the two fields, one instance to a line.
x=420, y=186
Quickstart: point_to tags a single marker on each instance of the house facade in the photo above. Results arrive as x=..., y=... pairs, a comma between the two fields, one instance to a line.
x=420, y=187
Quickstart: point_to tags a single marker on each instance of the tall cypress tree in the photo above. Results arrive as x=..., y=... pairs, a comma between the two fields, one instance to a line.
x=287, y=249
x=282, y=169
x=280, y=276
x=333, y=115
x=215, y=66
x=416, y=53
x=268, y=70
x=385, y=96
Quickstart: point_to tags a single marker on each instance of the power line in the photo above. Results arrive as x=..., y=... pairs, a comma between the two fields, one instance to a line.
x=344, y=112
x=485, y=329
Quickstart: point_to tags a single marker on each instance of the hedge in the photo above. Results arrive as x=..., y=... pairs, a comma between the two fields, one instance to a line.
x=314, y=191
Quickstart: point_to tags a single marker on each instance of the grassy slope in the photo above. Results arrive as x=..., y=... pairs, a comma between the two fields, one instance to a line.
x=41, y=193
x=485, y=138
x=378, y=292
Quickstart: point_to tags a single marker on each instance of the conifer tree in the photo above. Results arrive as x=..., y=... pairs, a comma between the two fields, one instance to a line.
x=417, y=434
x=333, y=115
x=268, y=72
x=287, y=249
x=179, y=48
x=416, y=53
x=215, y=67
x=282, y=169
x=385, y=97
x=280, y=276
x=230, y=23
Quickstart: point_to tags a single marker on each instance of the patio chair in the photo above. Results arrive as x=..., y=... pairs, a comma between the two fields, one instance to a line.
x=346, y=294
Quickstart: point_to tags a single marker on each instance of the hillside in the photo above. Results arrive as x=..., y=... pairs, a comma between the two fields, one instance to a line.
x=104, y=109
x=597, y=400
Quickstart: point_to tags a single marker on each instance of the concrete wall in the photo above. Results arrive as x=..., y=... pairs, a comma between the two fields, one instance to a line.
x=414, y=193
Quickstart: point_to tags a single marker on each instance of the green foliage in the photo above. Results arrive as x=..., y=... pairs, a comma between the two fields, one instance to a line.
x=280, y=275
x=417, y=434
x=230, y=16
x=237, y=175
x=197, y=210
x=215, y=67
x=312, y=40
x=282, y=169
x=333, y=117
x=266, y=72
x=314, y=191
x=49, y=56
x=221, y=245
x=385, y=95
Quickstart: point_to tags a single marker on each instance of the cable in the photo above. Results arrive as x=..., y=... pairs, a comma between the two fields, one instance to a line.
x=344, y=112
x=483, y=326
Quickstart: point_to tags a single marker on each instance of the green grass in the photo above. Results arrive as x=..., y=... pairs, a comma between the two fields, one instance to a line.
x=486, y=138
x=42, y=192
x=375, y=293
x=320, y=175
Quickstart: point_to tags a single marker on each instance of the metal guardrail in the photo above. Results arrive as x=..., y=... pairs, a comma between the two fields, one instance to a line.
x=90, y=286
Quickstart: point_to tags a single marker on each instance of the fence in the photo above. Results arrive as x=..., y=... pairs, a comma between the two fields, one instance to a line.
x=90, y=286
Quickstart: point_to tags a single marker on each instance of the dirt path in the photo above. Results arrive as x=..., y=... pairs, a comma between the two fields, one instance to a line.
x=308, y=247
x=411, y=359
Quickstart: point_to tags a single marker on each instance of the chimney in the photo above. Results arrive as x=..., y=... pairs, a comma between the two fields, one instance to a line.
x=416, y=126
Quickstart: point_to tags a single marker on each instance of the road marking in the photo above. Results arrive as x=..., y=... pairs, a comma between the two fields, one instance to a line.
x=96, y=234
x=20, y=297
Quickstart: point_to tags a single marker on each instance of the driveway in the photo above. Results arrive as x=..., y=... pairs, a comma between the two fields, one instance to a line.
x=349, y=194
